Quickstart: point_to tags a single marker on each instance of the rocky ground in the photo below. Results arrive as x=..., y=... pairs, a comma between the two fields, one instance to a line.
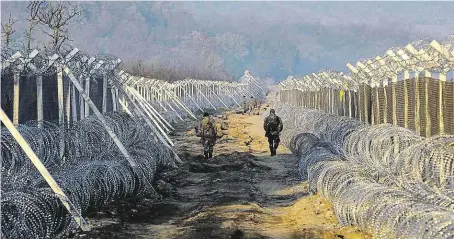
x=240, y=193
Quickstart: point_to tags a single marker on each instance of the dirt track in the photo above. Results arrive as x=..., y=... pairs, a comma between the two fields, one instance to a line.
x=240, y=193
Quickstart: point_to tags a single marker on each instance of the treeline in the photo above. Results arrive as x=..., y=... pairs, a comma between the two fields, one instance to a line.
x=174, y=73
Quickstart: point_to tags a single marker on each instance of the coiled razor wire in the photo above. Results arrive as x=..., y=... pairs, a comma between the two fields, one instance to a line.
x=386, y=180
x=86, y=164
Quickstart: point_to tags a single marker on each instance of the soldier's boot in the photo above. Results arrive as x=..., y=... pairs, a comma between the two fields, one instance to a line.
x=272, y=150
x=205, y=154
x=210, y=155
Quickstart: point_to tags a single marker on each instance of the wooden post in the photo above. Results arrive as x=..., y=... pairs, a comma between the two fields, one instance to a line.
x=81, y=102
x=114, y=99
x=377, y=102
x=394, y=97
x=73, y=103
x=61, y=110
x=333, y=102
x=373, y=113
x=441, y=87
x=405, y=82
x=16, y=98
x=68, y=105
x=87, y=92
x=427, y=75
x=329, y=100
x=417, y=105
x=358, y=104
x=39, y=99
x=366, y=104
x=104, y=94
x=385, y=107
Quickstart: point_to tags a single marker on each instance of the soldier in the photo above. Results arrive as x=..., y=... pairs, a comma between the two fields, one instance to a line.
x=244, y=104
x=257, y=105
x=207, y=131
x=273, y=127
x=251, y=105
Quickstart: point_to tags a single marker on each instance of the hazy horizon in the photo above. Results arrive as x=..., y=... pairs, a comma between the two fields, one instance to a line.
x=271, y=39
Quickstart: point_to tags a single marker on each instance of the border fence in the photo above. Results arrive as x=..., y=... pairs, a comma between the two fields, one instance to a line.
x=84, y=132
x=385, y=180
x=410, y=87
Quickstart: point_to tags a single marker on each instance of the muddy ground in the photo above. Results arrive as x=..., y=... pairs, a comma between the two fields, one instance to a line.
x=240, y=193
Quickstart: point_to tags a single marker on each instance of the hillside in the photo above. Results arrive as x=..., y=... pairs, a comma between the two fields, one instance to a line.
x=270, y=39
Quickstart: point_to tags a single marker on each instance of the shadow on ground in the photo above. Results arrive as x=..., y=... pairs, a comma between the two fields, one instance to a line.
x=239, y=193
x=222, y=197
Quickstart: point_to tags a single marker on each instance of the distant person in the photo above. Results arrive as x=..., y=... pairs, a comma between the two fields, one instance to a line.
x=244, y=104
x=251, y=105
x=273, y=127
x=208, y=133
x=257, y=105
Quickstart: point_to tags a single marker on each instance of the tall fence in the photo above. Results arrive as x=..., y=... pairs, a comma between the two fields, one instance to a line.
x=410, y=87
x=84, y=132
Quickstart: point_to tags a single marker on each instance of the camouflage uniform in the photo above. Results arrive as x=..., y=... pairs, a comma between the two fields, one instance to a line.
x=208, y=133
x=272, y=133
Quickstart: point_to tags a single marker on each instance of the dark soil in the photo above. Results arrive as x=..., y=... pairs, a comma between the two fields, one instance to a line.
x=193, y=188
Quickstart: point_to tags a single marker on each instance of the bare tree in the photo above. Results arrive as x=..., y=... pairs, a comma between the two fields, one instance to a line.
x=7, y=30
x=56, y=16
x=33, y=9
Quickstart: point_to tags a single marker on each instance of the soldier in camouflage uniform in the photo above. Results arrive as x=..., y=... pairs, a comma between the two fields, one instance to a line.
x=244, y=104
x=273, y=127
x=207, y=131
x=251, y=105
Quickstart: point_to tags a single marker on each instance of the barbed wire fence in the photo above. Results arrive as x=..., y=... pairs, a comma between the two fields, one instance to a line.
x=379, y=150
x=85, y=133
x=385, y=179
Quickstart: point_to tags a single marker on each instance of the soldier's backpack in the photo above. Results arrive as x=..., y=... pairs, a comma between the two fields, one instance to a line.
x=208, y=128
x=273, y=125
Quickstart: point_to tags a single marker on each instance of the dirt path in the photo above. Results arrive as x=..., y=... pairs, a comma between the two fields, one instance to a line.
x=240, y=193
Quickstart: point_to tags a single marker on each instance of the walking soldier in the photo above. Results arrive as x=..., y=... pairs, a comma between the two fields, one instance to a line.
x=273, y=127
x=208, y=133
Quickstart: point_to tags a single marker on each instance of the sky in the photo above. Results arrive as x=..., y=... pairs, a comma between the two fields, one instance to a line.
x=271, y=39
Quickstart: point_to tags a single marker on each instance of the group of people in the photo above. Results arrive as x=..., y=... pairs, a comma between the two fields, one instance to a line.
x=251, y=105
x=208, y=132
